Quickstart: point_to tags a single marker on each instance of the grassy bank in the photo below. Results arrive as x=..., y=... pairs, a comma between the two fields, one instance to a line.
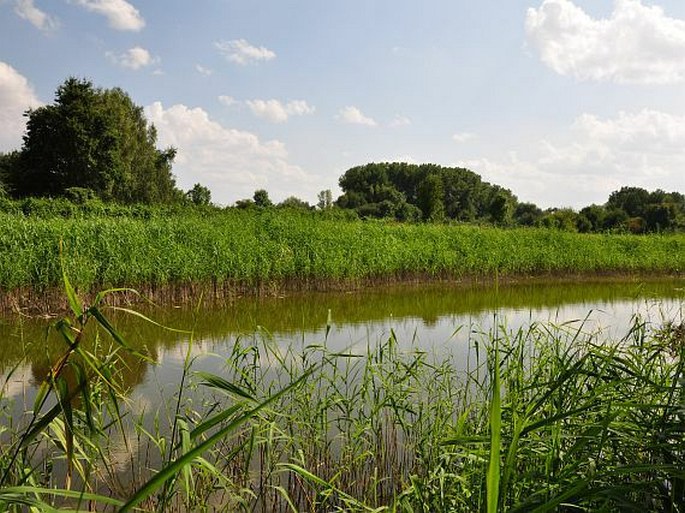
x=253, y=248
x=546, y=418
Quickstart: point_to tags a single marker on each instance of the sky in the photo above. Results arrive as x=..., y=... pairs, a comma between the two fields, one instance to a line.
x=560, y=101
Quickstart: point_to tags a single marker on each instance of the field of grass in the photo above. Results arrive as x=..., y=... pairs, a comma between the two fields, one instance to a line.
x=545, y=418
x=255, y=248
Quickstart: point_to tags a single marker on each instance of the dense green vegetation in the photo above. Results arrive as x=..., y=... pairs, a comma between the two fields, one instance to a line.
x=94, y=143
x=90, y=142
x=261, y=246
x=546, y=418
x=409, y=192
x=427, y=192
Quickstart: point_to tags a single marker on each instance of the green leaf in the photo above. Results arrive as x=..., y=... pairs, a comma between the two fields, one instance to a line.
x=493, y=479
x=214, y=381
x=173, y=468
x=74, y=303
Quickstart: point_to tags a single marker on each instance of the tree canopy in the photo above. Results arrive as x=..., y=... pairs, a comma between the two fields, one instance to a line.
x=427, y=192
x=95, y=139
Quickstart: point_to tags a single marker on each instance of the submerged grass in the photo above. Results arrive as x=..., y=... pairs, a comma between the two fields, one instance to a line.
x=254, y=248
x=544, y=418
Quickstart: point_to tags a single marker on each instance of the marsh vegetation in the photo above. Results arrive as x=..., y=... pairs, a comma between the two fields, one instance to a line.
x=544, y=416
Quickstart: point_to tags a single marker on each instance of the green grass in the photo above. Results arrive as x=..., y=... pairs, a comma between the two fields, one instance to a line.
x=256, y=248
x=544, y=418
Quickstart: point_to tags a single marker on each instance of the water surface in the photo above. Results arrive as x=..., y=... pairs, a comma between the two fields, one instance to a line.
x=437, y=317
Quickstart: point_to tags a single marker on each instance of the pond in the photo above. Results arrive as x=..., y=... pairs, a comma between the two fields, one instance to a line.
x=379, y=410
x=438, y=317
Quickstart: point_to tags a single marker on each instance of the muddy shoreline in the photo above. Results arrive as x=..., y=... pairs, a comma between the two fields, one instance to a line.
x=53, y=301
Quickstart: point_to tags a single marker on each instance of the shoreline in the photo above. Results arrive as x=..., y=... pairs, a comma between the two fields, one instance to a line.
x=52, y=302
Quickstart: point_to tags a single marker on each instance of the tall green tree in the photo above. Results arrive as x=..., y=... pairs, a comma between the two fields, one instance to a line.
x=261, y=198
x=632, y=200
x=199, y=195
x=8, y=166
x=325, y=199
x=96, y=139
x=430, y=198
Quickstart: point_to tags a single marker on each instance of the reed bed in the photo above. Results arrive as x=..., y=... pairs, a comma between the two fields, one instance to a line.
x=544, y=418
x=254, y=249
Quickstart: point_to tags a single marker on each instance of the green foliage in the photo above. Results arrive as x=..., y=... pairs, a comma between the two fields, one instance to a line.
x=325, y=199
x=261, y=198
x=501, y=207
x=9, y=163
x=294, y=203
x=95, y=139
x=560, y=219
x=398, y=189
x=527, y=214
x=543, y=418
x=430, y=194
x=142, y=245
x=401, y=191
x=199, y=195
x=245, y=204
x=646, y=211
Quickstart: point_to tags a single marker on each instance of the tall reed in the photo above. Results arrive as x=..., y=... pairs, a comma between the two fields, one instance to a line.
x=259, y=248
x=543, y=418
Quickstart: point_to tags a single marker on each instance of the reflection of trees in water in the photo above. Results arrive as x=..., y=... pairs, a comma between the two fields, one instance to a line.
x=129, y=370
x=309, y=312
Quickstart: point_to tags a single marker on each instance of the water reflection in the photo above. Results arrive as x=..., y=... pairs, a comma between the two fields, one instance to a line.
x=434, y=317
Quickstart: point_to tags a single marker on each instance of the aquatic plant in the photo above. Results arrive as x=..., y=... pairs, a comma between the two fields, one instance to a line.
x=224, y=251
x=543, y=418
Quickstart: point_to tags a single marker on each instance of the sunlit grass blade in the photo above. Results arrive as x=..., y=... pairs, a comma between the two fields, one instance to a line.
x=493, y=475
x=175, y=466
x=218, y=383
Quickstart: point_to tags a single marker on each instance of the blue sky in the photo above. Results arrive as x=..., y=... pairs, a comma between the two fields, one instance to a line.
x=562, y=101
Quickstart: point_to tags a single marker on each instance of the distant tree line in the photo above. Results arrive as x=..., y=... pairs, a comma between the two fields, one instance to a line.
x=94, y=145
x=428, y=192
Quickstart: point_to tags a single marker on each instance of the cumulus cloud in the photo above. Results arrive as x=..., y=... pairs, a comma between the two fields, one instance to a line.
x=16, y=96
x=232, y=163
x=226, y=100
x=27, y=10
x=637, y=44
x=353, y=115
x=120, y=14
x=597, y=157
x=277, y=112
x=241, y=52
x=134, y=58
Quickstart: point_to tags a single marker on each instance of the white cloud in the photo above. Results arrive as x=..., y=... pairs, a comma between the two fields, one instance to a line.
x=637, y=44
x=203, y=71
x=16, y=96
x=400, y=121
x=232, y=163
x=134, y=58
x=599, y=156
x=242, y=52
x=27, y=10
x=120, y=14
x=277, y=112
x=228, y=101
x=354, y=116
x=462, y=137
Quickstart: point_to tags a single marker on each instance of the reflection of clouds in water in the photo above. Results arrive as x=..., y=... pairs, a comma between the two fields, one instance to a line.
x=443, y=336
x=140, y=404
x=178, y=353
x=17, y=384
